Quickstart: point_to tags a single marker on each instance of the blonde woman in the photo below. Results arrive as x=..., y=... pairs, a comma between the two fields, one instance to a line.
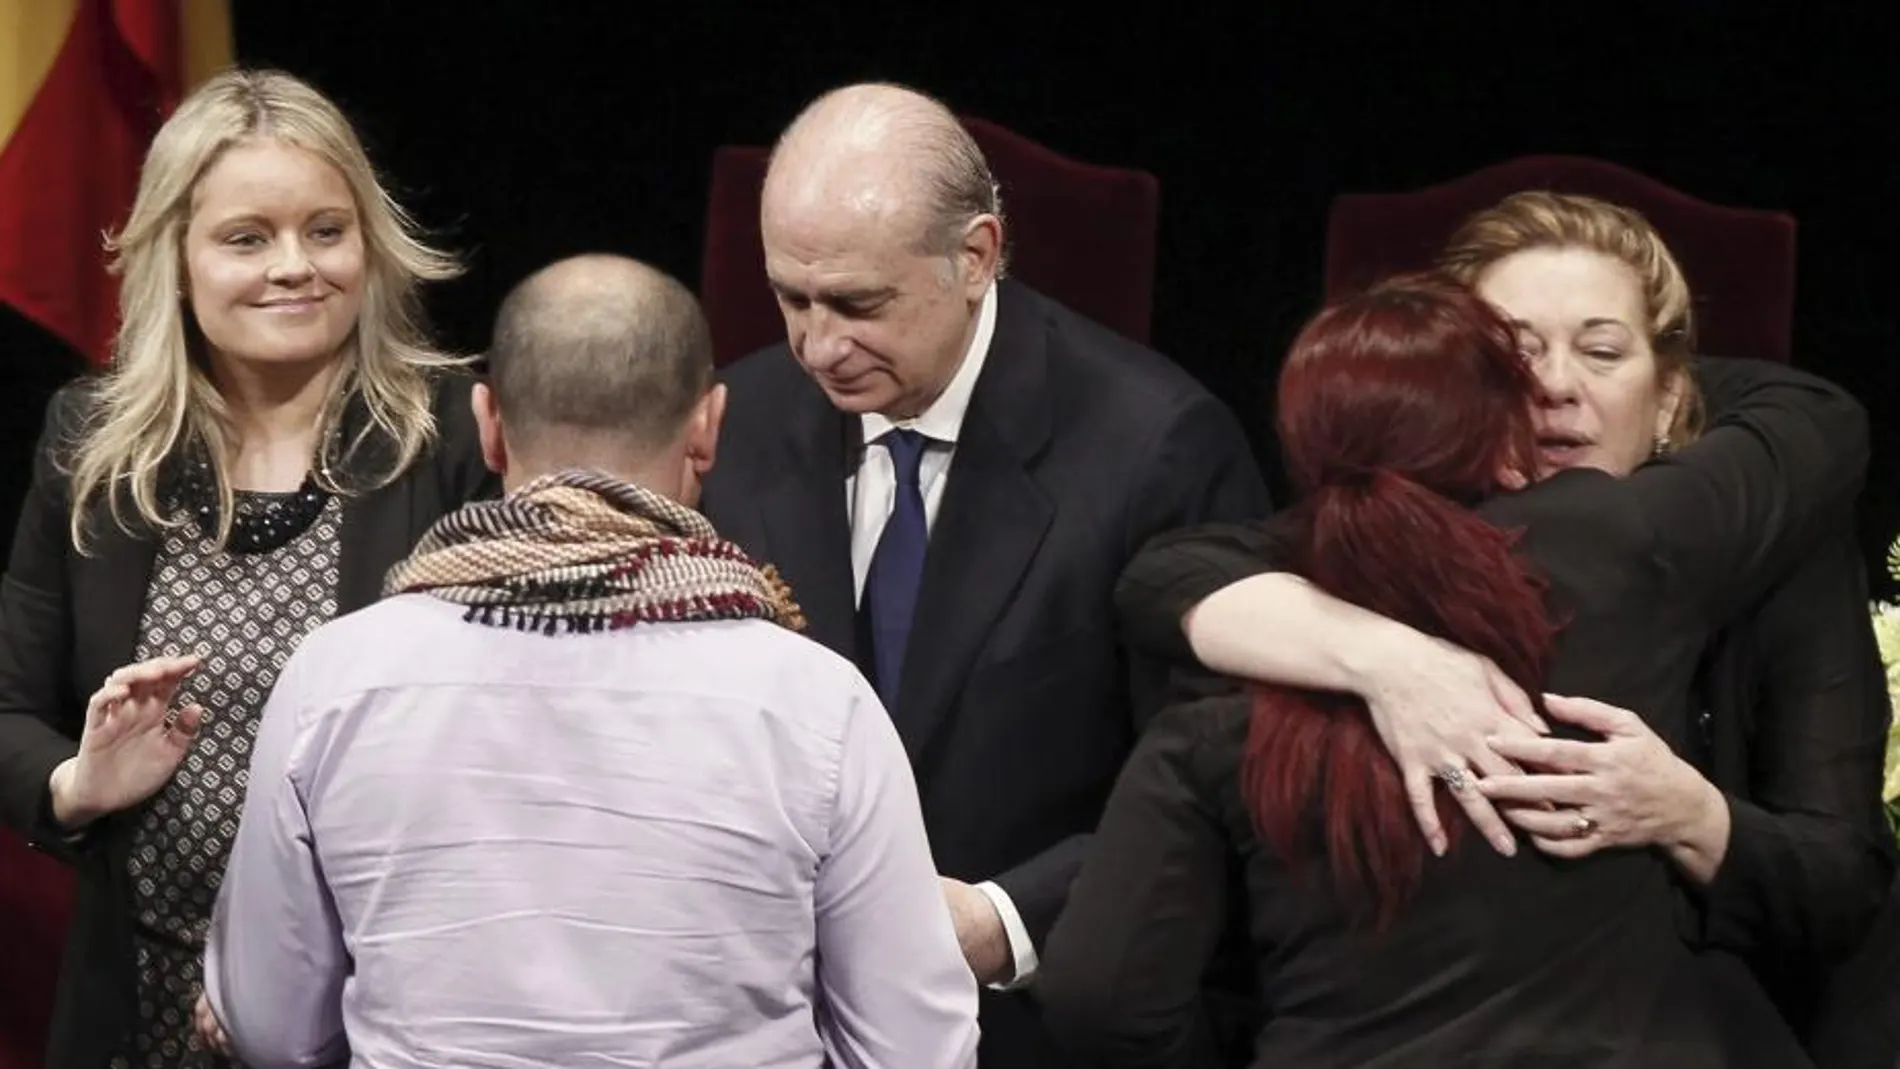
x=1768, y=808
x=274, y=432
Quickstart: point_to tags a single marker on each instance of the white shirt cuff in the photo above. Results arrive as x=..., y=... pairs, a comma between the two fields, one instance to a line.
x=1020, y=948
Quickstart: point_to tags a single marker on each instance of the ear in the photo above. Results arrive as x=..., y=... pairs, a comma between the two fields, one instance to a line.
x=702, y=436
x=481, y=399
x=980, y=254
x=1674, y=387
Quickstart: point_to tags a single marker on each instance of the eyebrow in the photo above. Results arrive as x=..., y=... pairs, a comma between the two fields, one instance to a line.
x=247, y=218
x=1588, y=324
x=842, y=296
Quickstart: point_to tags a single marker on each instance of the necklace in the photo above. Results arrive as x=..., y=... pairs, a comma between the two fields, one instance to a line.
x=260, y=522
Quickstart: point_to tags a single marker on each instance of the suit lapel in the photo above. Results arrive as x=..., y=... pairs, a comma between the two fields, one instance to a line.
x=991, y=522
x=807, y=524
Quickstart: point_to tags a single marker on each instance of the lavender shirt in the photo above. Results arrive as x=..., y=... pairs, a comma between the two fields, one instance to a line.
x=679, y=845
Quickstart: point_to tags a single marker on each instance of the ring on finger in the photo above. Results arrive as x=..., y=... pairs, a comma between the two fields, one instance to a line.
x=1583, y=826
x=1457, y=777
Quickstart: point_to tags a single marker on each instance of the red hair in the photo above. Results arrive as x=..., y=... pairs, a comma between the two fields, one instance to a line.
x=1398, y=410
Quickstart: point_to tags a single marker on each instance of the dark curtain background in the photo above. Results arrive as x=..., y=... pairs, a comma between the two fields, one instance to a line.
x=522, y=131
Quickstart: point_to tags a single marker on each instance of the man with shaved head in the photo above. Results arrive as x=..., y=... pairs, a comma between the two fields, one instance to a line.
x=576, y=792
x=951, y=471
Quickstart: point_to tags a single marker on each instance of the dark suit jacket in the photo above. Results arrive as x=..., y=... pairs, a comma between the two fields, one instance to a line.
x=1495, y=961
x=1794, y=713
x=66, y=620
x=1017, y=706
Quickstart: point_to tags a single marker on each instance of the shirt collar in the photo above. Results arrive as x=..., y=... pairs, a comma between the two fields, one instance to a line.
x=943, y=420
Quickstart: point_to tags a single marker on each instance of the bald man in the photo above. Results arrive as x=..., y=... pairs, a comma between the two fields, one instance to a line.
x=951, y=471
x=573, y=795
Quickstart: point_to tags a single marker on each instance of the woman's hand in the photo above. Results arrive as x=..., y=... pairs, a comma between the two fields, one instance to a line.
x=1627, y=790
x=133, y=742
x=1436, y=707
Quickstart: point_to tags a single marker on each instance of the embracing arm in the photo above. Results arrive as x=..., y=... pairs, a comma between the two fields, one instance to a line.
x=1215, y=595
x=1781, y=464
x=1730, y=514
x=1121, y=979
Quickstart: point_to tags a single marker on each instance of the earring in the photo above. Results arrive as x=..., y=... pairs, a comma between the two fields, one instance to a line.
x=1660, y=447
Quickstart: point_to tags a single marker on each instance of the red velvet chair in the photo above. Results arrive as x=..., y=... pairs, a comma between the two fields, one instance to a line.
x=1740, y=262
x=1080, y=233
x=35, y=903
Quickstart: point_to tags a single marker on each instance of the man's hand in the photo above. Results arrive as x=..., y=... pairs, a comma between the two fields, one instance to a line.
x=1435, y=706
x=210, y=1032
x=979, y=932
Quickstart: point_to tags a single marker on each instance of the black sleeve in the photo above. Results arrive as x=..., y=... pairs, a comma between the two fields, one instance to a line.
x=1175, y=571
x=1120, y=983
x=1783, y=460
x=1810, y=856
x=38, y=713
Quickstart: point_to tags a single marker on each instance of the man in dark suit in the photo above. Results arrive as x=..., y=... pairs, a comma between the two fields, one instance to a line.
x=951, y=471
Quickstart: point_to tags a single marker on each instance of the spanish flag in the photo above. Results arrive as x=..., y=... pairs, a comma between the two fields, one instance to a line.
x=84, y=84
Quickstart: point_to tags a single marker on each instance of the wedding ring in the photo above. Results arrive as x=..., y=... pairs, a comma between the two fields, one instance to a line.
x=1456, y=777
x=1584, y=825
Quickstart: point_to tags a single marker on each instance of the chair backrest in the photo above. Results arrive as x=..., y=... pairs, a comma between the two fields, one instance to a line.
x=36, y=895
x=1740, y=262
x=1081, y=233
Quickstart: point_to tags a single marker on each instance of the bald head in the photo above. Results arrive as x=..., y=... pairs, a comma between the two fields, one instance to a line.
x=599, y=346
x=888, y=156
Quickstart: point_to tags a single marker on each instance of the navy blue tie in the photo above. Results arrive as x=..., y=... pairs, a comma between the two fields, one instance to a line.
x=897, y=567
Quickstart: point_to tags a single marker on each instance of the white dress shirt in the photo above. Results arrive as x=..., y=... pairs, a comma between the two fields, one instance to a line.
x=872, y=492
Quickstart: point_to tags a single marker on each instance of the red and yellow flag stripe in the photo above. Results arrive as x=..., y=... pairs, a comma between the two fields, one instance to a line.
x=83, y=86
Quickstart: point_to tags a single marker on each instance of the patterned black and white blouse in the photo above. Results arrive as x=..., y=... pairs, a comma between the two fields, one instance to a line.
x=244, y=613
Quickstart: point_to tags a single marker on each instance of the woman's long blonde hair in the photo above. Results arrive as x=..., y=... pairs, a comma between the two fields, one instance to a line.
x=1539, y=219
x=157, y=397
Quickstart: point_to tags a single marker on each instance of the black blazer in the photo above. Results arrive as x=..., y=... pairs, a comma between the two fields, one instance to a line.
x=67, y=620
x=1018, y=703
x=1496, y=961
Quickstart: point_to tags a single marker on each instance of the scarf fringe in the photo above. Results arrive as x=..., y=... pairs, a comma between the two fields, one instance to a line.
x=582, y=553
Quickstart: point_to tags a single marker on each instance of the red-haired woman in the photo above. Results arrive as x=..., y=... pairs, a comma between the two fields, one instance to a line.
x=1405, y=419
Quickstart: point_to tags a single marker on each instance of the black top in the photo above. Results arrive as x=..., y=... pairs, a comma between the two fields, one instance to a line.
x=67, y=619
x=1497, y=961
x=1792, y=726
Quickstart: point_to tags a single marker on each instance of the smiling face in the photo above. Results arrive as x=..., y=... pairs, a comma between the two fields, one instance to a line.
x=274, y=256
x=1584, y=328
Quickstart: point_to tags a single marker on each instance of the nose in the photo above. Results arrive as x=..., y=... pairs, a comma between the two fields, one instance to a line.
x=826, y=342
x=291, y=266
x=1557, y=373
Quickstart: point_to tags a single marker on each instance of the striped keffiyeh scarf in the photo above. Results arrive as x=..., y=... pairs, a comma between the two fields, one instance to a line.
x=580, y=551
